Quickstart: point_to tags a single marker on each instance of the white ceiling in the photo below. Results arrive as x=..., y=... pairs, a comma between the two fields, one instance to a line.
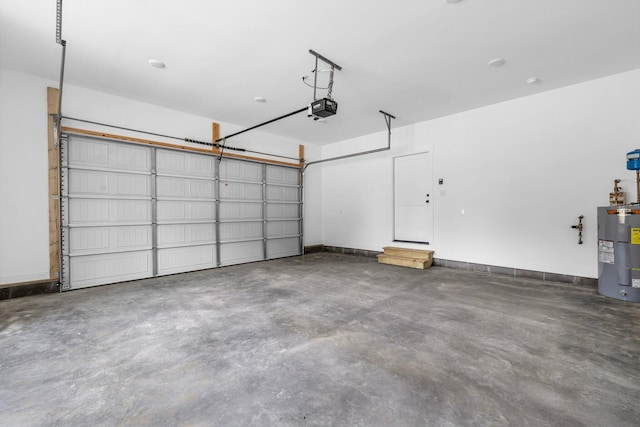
x=416, y=59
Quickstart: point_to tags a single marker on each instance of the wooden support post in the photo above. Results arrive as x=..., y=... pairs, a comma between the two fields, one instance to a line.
x=215, y=135
x=54, y=196
x=301, y=155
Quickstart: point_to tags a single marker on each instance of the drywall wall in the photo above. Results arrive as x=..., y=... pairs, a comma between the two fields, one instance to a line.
x=522, y=171
x=24, y=233
x=24, y=208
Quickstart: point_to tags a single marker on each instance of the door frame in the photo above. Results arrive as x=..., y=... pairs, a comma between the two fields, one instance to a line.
x=412, y=242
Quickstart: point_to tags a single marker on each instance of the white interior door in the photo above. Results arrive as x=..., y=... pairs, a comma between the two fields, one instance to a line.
x=413, y=201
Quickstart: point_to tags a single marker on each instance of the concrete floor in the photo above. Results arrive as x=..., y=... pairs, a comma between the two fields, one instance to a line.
x=324, y=339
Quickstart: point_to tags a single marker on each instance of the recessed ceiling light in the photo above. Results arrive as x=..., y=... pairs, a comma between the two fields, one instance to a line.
x=157, y=64
x=533, y=80
x=259, y=99
x=496, y=62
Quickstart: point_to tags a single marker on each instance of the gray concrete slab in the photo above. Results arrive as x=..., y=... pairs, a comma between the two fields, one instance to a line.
x=325, y=339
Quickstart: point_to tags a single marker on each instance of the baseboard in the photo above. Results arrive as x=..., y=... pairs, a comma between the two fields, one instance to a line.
x=313, y=249
x=469, y=266
x=17, y=290
x=516, y=272
x=350, y=251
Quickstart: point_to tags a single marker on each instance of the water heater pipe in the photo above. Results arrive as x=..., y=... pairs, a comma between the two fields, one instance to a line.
x=638, y=186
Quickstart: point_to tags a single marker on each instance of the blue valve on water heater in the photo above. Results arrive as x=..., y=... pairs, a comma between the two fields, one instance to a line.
x=633, y=160
x=633, y=164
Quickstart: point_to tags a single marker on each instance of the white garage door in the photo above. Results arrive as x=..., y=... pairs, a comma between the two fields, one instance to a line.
x=134, y=211
x=185, y=211
x=283, y=211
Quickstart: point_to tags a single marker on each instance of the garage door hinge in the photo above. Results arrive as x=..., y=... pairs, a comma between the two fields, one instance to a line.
x=66, y=287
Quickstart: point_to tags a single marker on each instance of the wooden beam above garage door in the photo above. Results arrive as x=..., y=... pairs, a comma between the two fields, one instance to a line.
x=78, y=131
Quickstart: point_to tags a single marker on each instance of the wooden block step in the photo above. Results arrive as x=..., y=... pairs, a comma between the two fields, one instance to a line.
x=401, y=261
x=408, y=253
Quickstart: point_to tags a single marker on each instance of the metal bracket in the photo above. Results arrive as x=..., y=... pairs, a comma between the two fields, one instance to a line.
x=334, y=67
x=387, y=119
x=328, y=61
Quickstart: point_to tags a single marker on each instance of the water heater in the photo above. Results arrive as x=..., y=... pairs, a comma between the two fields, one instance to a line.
x=619, y=245
x=619, y=252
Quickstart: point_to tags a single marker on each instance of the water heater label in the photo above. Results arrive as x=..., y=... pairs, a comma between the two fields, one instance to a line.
x=605, y=251
x=635, y=283
x=635, y=236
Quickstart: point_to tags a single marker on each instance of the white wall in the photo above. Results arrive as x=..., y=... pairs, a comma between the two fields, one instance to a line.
x=24, y=208
x=24, y=233
x=522, y=170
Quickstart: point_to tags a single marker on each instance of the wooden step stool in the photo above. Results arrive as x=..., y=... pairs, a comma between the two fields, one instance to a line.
x=413, y=258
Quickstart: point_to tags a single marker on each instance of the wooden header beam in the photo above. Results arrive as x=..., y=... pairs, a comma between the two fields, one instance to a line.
x=77, y=131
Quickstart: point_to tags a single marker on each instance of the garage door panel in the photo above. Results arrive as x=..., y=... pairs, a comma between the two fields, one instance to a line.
x=278, y=248
x=170, y=235
x=89, y=182
x=282, y=175
x=240, y=210
x=282, y=194
x=283, y=210
x=184, y=164
x=236, y=170
x=283, y=228
x=173, y=187
x=191, y=258
x=108, y=155
x=94, y=240
x=240, y=191
x=240, y=231
x=133, y=211
x=241, y=252
x=108, y=211
x=200, y=165
x=93, y=270
x=169, y=210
